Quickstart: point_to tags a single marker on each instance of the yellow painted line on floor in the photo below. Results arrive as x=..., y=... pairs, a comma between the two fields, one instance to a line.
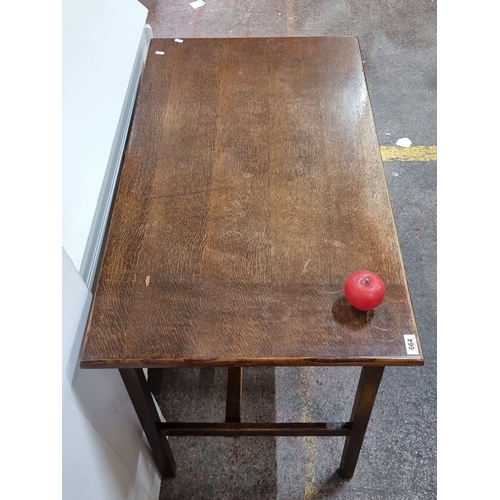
x=290, y=18
x=413, y=153
x=310, y=490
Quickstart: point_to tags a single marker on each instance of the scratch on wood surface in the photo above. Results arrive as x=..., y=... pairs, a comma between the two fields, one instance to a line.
x=192, y=193
x=329, y=293
x=232, y=231
x=148, y=279
x=390, y=340
x=305, y=266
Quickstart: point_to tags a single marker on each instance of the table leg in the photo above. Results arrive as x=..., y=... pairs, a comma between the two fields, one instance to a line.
x=369, y=382
x=234, y=389
x=142, y=400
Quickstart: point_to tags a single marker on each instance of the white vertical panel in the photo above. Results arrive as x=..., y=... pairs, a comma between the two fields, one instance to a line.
x=95, y=239
x=100, y=43
x=91, y=469
x=76, y=300
x=105, y=455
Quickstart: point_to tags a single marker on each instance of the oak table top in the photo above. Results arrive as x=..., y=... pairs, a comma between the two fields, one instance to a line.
x=252, y=186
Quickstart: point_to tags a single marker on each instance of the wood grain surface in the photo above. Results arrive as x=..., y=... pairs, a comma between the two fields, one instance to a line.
x=252, y=186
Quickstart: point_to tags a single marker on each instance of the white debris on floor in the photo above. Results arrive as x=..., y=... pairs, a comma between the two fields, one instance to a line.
x=197, y=4
x=404, y=142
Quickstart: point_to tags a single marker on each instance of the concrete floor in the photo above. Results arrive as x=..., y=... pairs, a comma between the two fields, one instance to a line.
x=398, y=459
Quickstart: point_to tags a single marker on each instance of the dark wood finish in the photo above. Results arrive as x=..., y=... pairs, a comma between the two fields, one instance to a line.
x=366, y=393
x=252, y=186
x=234, y=392
x=140, y=395
x=271, y=429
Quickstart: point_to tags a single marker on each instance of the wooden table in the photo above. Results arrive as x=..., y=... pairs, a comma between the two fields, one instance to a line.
x=252, y=186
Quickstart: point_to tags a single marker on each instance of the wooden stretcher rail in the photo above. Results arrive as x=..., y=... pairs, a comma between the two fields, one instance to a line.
x=252, y=429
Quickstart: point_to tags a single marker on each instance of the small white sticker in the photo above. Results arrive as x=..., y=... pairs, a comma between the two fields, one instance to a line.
x=178, y=40
x=411, y=344
x=160, y=52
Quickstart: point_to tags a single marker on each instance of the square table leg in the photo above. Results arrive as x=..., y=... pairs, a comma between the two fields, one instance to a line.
x=142, y=400
x=366, y=393
x=234, y=389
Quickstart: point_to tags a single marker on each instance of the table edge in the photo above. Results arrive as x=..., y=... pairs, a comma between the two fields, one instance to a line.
x=227, y=362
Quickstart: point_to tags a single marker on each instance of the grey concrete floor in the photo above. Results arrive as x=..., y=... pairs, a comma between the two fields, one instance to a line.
x=398, y=458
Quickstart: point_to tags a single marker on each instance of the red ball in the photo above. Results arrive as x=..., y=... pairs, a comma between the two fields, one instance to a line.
x=364, y=290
